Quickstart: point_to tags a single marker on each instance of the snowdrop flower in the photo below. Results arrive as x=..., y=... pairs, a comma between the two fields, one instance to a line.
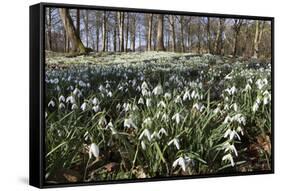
x=239, y=118
x=145, y=133
x=102, y=121
x=158, y=90
x=255, y=107
x=127, y=107
x=141, y=101
x=94, y=150
x=165, y=117
x=70, y=99
x=217, y=110
x=228, y=157
x=61, y=106
x=147, y=122
x=227, y=120
x=248, y=87
x=144, y=85
x=143, y=146
x=234, y=106
x=198, y=107
x=231, y=91
x=128, y=122
x=51, y=104
x=61, y=98
x=109, y=94
x=167, y=96
x=96, y=108
x=77, y=92
x=231, y=134
x=148, y=102
x=84, y=106
x=183, y=162
x=230, y=147
x=161, y=104
x=186, y=95
x=95, y=101
x=240, y=130
x=175, y=141
x=109, y=125
x=74, y=106
x=178, y=99
x=180, y=162
x=177, y=117
x=161, y=132
x=145, y=92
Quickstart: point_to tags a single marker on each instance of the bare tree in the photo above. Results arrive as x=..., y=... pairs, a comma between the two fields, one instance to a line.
x=209, y=35
x=121, y=30
x=172, y=31
x=127, y=31
x=104, y=31
x=49, y=28
x=258, y=36
x=219, y=36
x=133, y=32
x=115, y=26
x=160, y=36
x=86, y=23
x=78, y=21
x=182, y=18
x=149, y=34
x=236, y=27
x=77, y=45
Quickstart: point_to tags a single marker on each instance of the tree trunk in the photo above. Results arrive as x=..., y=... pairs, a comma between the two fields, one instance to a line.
x=209, y=36
x=236, y=27
x=258, y=36
x=78, y=22
x=133, y=33
x=77, y=45
x=49, y=30
x=121, y=30
x=160, y=40
x=172, y=32
x=86, y=22
x=127, y=32
x=149, y=34
x=104, y=32
x=182, y=33
x=97, y=31
x=219, y=37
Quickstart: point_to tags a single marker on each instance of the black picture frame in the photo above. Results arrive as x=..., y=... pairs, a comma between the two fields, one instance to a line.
x=37, y=89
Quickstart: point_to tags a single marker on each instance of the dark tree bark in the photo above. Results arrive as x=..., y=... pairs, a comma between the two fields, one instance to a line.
x=121, y=30
x=86, y=22
x=209, y=35
x=104, y=31
x=127, y=32
x=160, y=36
x=258, y=36
x=115, y=26
x=97, y=30
x=182, y=33
x=149, y=33
x=77, y=45
x=49, y=30
x=198, y=34
x=133, y=33
x=172, y=32
x=219, y=38
x=78, y=22
x=236, y=27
